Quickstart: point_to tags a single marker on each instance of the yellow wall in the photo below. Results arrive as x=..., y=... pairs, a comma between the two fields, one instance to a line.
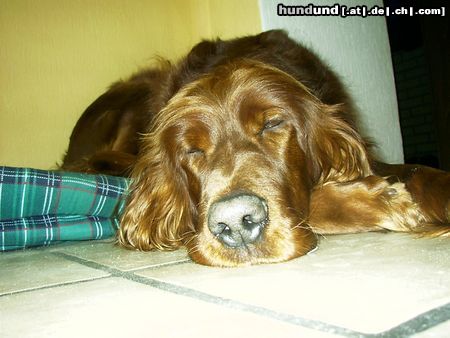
x=57, y=56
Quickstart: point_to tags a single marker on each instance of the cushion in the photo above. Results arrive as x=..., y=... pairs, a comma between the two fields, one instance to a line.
x=41, y=207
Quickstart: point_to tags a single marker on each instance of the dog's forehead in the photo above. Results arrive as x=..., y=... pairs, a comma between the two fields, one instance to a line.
x=243, y=89
x=232, y=97
x=218, y=117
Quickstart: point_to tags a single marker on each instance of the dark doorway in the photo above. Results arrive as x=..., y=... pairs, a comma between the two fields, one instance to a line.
x=420, y=46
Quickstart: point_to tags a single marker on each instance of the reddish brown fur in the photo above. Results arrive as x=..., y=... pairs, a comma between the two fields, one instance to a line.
x=258, y=115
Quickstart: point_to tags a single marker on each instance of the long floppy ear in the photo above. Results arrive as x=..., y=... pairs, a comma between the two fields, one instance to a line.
x=336, y=150
x=158, y=214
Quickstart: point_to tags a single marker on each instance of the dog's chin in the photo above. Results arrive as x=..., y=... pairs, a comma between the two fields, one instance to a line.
x=214, y=253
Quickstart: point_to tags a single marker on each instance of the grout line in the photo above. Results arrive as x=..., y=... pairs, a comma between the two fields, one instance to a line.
x=418, y=324
x=114, y=272
x=51, y=286
x=217, y=300
x=415, y=325
x=237, y=305
x=161, y=265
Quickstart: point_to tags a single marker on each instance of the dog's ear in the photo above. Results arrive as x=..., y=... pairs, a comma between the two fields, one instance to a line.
x=158, y=214
x=336, y=151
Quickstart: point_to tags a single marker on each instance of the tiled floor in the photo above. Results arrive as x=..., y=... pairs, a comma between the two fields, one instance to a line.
x=370, y=285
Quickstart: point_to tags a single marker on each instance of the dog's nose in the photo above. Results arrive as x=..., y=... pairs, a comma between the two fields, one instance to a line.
x=238, y=220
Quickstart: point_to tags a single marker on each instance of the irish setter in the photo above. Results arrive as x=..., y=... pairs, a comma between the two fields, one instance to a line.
x=244, y=152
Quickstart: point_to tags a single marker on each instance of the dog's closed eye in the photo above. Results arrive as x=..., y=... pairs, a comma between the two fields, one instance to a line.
x=272, y=124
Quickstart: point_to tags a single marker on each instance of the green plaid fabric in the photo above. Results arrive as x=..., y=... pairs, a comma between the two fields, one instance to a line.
x=39, y=207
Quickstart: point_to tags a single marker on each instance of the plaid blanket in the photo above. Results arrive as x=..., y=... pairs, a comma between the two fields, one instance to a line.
x=39, y=207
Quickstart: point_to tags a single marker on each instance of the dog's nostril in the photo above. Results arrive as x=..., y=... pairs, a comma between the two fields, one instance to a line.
x=238, y=220
x=247, y=219
x=223, y=228
x=226, y=231
x=247, y=222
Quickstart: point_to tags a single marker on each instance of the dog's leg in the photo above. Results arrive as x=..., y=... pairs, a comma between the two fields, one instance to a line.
x=370, y=204
x=429, y=187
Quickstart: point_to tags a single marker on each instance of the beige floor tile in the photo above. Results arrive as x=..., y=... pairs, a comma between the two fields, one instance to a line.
x=30, y=269
x=109, y=254
x=365, y=282
x=114, y=307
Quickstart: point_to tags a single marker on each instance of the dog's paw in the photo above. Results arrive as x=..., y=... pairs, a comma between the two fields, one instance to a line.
x=402, y=213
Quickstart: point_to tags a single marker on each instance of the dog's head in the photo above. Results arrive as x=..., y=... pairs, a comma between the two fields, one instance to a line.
x=229, y=164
